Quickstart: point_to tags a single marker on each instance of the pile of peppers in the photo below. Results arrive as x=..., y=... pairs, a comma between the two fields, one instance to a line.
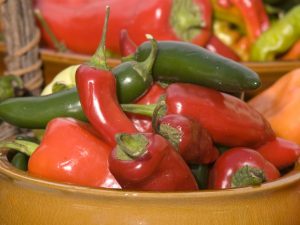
x=242, y=30
x=147, y=125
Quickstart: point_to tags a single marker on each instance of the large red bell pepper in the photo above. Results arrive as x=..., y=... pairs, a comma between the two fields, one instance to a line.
x=71, y=152
x=78, y=23
x=148, y=162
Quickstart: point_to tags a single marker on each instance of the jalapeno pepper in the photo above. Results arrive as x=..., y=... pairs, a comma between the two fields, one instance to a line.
x=185, y=62
x=148, y=162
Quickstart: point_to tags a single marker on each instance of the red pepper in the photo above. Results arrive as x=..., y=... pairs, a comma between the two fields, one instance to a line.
x=70, y=152
x=148, y=162
x=240, y=167
x=127, y=46
x=293, y=53
x=191, y=140
x=144, y=123
x=81, y=20
x=229, y=120
x=280, y=152
x=218, y=47
x=96, y=87
x=255, y=16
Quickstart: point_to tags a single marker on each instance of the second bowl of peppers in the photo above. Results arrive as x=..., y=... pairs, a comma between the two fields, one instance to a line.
x=182, y=141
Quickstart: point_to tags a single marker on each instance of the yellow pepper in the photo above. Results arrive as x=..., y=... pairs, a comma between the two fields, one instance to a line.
x=65, y=78
x=280, y=105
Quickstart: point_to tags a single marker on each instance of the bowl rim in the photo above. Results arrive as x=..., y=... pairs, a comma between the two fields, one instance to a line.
x=8, y=170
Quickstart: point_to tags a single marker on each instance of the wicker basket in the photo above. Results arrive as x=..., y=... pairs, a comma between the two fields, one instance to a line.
x=22, y=57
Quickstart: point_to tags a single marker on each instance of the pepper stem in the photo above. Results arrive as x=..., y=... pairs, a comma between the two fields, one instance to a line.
x=144, y=68
x=145, y=110
x=23, y=146
x=59, y=46
x=98, y=60
x=159, y=111
x=247, y=176
x=133, y=145
x=186, y=19
x=9, y=86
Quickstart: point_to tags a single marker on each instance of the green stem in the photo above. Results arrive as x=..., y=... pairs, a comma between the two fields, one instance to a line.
x=59, y=46
x=247, y=176
x=9, y=84
x=144, y=68
x=25, y=147
x=145, y=110
x=98, y=60
x=186, y=19
x=133, y=145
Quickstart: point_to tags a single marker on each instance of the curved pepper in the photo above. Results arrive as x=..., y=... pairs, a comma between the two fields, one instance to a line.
x=229, y=120
x=148, y=162
x=280, y=152
x=96, y=86
x=188, y=137
x=241, y=167
x=279, y=104
x=278, y=38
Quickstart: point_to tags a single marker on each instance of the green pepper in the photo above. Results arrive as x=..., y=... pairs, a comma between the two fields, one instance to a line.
x=185, y=62
x=278, y=38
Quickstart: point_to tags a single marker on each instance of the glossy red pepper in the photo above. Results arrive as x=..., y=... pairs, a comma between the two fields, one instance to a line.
x=144, y=123
x=254, y=14
x=96, y=87
x=148, y=162
x=240, y=167
x=81, y=20
x=280, y=152
x=218, y=47
x=127, y=46
x=229, y=120
x=71, y=152
x=189, y=138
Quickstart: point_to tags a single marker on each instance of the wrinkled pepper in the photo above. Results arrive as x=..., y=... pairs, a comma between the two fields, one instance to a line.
x=241, y=167
x=229, y=120
x=189, y=138
x=97, y=92
x=278, y=38
x=280, y=152
x=81, y=158
x=148, y=162
x=279, y=104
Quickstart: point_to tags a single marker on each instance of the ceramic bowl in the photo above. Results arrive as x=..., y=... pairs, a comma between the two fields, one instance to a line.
x=28, y=200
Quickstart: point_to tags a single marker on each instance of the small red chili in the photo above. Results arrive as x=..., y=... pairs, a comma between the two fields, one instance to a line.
x=241, y=167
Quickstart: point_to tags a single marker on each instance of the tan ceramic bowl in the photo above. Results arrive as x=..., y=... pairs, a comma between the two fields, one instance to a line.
x=25, y=200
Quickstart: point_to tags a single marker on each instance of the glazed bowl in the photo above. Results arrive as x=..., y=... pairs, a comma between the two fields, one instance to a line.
x=28, y=200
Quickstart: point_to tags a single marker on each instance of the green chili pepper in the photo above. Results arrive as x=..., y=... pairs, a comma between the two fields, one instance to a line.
x=278, y=38
x=185, y=62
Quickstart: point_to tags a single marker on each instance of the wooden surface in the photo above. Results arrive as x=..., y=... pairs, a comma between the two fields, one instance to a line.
x=54, y=62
